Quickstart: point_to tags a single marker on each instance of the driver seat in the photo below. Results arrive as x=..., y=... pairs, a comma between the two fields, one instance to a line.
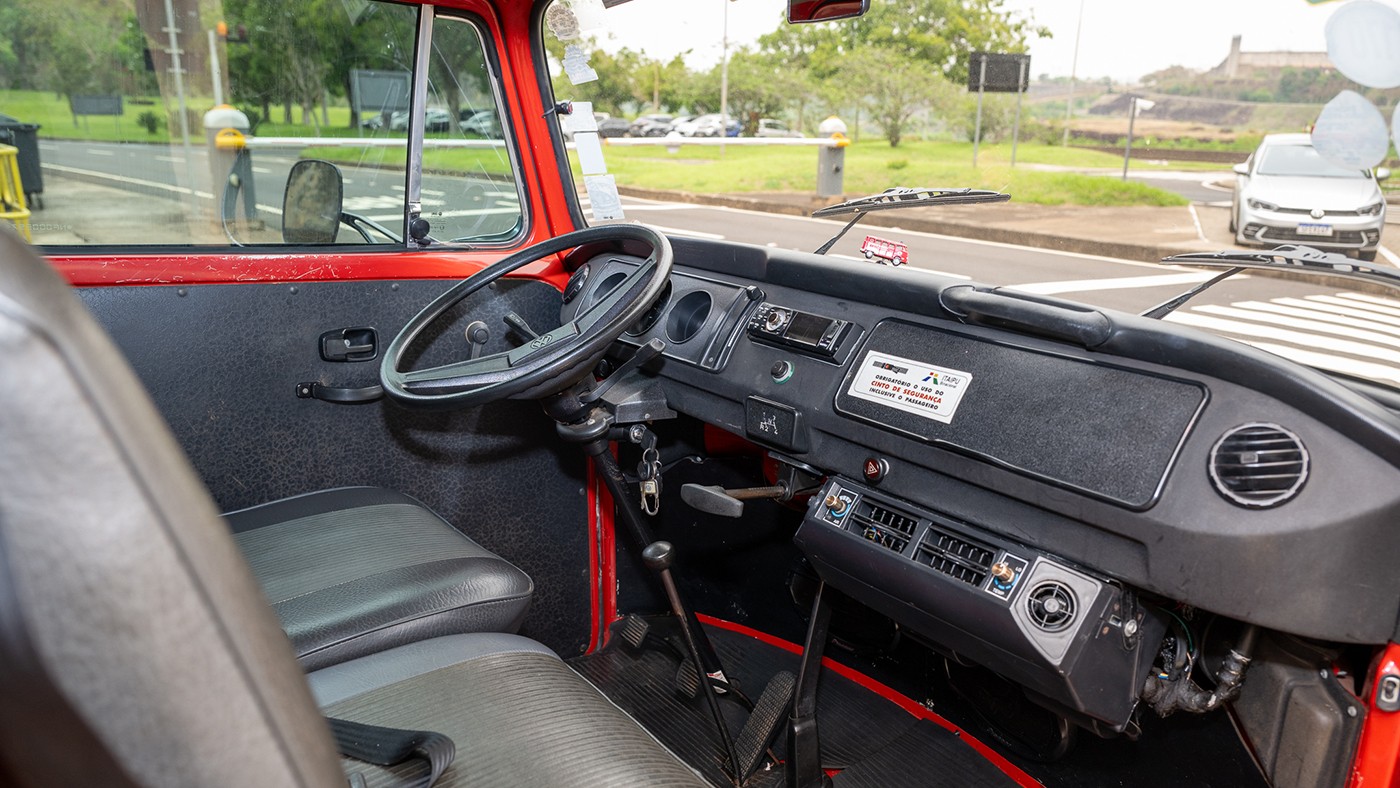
x=136, y=647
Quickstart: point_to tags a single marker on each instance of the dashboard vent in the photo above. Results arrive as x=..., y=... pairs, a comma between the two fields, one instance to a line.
x=885, y=527
x=1258, y=465
x=955, y=557
x=1051, y=605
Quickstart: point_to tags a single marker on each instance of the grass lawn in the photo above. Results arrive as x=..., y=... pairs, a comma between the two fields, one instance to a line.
x=873, y=166
x=50, y=111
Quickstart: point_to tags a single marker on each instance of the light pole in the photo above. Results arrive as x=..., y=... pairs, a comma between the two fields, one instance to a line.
x=1073, y=67
x=724, y=81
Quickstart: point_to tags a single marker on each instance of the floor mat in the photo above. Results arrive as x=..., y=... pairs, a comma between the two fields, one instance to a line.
x=875, y=740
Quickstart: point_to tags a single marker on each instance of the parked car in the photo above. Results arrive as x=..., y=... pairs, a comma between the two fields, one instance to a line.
x=1287, y=193
x=675, y=125
x=709, y=126
x=483, y=124
x=435, y=119
x=652, y=125
x=768, y=127
x=700, y=126
x=614, y=127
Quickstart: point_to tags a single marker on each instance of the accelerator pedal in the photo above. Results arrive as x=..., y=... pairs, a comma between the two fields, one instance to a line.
x=763, y=724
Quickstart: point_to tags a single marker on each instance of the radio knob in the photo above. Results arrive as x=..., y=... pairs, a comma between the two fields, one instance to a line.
x=776, y=319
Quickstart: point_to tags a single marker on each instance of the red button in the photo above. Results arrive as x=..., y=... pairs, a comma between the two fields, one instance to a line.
x=875, y=469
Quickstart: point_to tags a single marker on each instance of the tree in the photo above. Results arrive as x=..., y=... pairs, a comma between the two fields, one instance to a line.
x=892, y=89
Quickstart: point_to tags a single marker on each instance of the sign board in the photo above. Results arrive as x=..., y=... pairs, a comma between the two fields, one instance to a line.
x=379, y=92
x=95, y=105
x=1005, y=73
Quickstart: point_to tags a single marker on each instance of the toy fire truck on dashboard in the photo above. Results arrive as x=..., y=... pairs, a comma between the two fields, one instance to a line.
x=884, y=252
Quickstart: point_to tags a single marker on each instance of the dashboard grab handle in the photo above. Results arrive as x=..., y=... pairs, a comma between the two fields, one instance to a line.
x=1082, y=326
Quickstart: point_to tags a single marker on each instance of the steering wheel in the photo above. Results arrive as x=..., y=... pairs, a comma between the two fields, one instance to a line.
x=548, y=363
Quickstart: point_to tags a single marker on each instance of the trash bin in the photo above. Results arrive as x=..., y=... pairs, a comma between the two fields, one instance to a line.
x=25, y=136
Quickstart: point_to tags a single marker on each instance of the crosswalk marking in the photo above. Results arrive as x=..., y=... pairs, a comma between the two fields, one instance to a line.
x=1350, y=333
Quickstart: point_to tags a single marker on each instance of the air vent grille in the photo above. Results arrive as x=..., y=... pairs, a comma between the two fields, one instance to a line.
x=885, y=527
x=1259, y=465
x=956, y=557
x=1051, y=605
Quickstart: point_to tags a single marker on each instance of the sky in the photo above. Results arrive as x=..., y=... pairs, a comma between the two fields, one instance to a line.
x=1122, y=39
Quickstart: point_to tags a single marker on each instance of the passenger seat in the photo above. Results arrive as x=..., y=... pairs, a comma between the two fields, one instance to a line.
x=358, y=570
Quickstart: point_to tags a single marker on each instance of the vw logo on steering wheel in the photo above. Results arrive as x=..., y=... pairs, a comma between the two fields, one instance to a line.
x=541, y=341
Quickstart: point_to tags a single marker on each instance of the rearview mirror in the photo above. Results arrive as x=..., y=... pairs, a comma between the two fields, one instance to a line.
x=1241, y=169
x=825, y=10
x=312, y=202
x=1382, y=173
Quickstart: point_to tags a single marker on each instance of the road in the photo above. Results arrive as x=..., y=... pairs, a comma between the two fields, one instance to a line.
x=456, y=206
x=1347, y=331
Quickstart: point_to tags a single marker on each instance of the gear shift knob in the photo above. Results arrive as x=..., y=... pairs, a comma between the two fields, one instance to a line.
x=657, y=556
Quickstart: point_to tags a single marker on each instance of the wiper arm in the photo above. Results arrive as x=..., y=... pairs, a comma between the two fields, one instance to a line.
x=1175, y=302
x=902, y=197
x=1291, y=257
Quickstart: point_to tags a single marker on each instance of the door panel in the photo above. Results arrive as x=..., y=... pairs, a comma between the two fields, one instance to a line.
x=222, y=363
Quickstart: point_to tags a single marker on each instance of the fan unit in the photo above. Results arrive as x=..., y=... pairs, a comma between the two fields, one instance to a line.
x=1051, y=606
x=1258, y=465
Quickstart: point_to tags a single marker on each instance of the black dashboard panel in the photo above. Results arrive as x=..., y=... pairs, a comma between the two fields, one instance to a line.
x=1108, y=431
x=1120, y=488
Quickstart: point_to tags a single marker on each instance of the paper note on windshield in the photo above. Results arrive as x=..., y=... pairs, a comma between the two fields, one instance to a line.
x=590, y=153
x=580, y=119
x=911, y=386
x=602, y=195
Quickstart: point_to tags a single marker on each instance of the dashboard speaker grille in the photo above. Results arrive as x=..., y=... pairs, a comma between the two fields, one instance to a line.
x=1259, y=465
x=1051, y=605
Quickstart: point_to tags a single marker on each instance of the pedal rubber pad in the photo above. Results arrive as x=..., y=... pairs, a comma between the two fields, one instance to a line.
x=687, y=679
x=633, y=631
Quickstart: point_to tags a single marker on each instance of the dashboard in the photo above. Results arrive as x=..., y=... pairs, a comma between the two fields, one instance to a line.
x=1027, y=481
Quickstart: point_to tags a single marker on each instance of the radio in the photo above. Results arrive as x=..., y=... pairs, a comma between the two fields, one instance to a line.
x=782, y=325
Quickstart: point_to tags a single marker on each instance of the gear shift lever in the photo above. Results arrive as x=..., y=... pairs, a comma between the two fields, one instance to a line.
x=658, y=557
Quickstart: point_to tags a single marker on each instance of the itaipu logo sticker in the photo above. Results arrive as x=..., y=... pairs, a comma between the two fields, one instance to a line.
x=912, y=386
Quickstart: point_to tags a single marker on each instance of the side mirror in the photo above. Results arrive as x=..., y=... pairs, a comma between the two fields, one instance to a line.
x=1382, y=173
x=800, y=11
x=312, y=203
x=1241, y=169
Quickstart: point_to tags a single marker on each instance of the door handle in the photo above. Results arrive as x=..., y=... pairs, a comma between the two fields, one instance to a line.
x=349, y=344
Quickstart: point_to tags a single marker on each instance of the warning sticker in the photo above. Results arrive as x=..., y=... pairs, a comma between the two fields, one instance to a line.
x=912, y=386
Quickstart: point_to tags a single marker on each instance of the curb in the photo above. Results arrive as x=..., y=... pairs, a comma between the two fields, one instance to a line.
x=1127, y=251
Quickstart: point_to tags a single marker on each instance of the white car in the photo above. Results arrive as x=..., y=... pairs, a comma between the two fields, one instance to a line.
x=1287, y=193
x=769, y=127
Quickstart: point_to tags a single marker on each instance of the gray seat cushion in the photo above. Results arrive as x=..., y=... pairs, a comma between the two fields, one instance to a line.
x=518, y=715
x=356, y=570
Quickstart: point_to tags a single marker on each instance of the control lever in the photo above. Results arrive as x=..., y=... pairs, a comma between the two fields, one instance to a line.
x=521, y=327
x=714, y=499
x=644, y=354
x=477, y=336
x=658, y=557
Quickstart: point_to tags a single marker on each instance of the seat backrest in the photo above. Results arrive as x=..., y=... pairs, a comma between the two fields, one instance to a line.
x=120, y=588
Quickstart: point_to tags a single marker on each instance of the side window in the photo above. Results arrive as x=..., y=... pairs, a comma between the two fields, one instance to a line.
x=469, y=180
x=118, y=112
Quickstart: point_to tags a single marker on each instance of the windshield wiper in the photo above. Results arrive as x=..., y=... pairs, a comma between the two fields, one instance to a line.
x=902, y=197
x=1289, y=257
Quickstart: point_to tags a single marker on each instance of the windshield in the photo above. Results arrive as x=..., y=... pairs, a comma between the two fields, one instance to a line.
x=1117, y=149
x=1302, y=161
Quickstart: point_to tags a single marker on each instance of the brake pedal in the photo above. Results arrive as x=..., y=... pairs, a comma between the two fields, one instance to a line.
x=634, y=630
x=687, y=679
x=764, y=722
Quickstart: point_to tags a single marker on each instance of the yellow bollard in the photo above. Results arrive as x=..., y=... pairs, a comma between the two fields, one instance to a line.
x=12, y=205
